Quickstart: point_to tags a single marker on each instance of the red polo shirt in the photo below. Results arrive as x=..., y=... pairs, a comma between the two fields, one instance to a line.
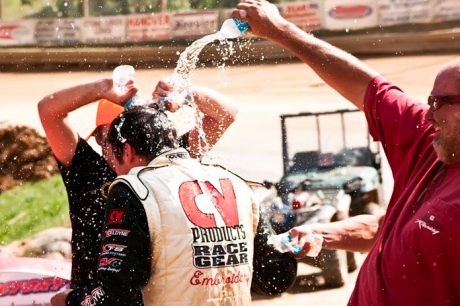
x=416, y=258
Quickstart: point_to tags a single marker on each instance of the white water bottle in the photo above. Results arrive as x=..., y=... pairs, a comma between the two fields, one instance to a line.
x=232, y=28
x=121, y=75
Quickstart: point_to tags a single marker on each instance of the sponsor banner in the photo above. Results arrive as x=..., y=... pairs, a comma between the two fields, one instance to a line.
x=56, y=32
x=225, y=14
x=191, y=25
x=17, y=33
x=349, y=14
x=155, y=26
x=32, y=281
x=394, y=12
x=305, y=15
x=110, y=29
x=445, y=10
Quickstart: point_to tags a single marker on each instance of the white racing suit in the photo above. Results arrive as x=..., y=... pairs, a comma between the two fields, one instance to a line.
x=202, y=221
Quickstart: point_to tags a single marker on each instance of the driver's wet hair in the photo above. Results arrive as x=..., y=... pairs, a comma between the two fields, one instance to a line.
x=148, y=130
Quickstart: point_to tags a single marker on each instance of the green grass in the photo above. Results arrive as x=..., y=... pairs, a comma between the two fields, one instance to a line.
x=35, y=206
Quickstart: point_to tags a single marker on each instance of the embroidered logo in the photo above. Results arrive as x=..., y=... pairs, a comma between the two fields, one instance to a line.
x=423, y=224
x=116, y=216
x=105, y=189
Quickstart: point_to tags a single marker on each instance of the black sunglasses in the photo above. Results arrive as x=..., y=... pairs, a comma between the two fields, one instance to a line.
x=435, y=102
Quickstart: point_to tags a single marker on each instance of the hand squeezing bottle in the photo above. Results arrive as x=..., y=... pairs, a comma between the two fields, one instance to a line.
x=232, y=28
x=121, y=75
x=282, y=242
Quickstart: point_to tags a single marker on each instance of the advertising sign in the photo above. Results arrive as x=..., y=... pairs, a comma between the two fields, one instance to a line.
x=111, y=29
x=305, y=15
x=445, y=10
x=186, y=25
x=149, y=27
x=56, y=32
x=394, y=12
x=349, y=14
x=32, y=281
x=17, y=33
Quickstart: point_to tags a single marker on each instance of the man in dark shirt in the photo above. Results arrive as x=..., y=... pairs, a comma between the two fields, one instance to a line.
x=131, y=258
x=85, y=172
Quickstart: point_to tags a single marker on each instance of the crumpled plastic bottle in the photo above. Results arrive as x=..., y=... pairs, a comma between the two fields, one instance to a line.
x=232, y=28
x=282, y=243
x=121, y=75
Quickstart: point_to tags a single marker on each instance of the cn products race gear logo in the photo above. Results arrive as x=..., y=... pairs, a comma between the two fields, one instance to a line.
x=224, y=203
x=219, y=240
x=116, y=216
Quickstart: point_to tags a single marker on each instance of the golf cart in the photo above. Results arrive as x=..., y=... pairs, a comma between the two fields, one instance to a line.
x=325, y=180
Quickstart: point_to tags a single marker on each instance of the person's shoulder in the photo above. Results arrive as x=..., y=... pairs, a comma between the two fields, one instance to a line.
x=86, y=153
x=237, y=176
x=88, y=160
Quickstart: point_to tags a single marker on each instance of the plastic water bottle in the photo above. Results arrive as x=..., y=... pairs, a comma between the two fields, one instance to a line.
x=282, y=243
x=232, y=28
x=121, y=75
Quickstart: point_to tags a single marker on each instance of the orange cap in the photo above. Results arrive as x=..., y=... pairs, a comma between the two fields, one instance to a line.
x=106, y=112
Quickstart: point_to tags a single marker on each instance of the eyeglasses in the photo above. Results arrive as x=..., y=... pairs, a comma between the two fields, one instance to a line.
x=435, y=102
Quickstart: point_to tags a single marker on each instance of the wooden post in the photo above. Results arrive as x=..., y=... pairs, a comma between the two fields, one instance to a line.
x=163, y=6
x=85, y=8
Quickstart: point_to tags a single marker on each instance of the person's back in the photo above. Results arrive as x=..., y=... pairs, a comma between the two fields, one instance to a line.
x=202, y=222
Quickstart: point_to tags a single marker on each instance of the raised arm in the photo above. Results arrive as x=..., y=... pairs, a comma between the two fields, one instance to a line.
x=339, y=69
x=219, y=112
x=356, y=234
x=55, y=108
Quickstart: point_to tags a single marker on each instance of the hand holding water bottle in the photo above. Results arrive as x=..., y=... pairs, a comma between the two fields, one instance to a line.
x=263, y=17
x=309, y=244
x=172, y=93
x=123, y=85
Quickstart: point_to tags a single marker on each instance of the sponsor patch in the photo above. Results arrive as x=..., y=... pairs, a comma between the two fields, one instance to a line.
x=350, y=11
x=113, y=249
x=116, y=216
x=116, y=232
x=29, y=286
x=96, y=296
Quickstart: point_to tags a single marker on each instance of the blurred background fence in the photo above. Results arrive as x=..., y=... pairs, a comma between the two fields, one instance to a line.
x=110, y=32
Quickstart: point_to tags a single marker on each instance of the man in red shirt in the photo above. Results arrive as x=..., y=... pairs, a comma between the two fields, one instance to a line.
x=414, y=248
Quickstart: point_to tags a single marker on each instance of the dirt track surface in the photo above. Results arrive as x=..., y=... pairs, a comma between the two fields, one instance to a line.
x=252, y=145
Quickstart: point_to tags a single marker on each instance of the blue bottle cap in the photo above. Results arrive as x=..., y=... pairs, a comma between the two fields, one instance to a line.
x=296, y=249
x=241, y=25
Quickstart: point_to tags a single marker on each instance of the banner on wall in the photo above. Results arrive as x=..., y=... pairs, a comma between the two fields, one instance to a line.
x=305, y=15
x=394, y=12
x=57, y=32
x=111, y=29
x=190, y=25
x=350, y=14
x=19, y=33
x=149, y=27
x=446, y=10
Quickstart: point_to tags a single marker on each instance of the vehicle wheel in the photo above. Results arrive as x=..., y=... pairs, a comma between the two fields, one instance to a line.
x=333, y=264
x=351, y=262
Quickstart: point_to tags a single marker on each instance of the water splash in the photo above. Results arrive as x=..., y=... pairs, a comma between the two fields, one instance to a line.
x=182, y=75
x=188, y=59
